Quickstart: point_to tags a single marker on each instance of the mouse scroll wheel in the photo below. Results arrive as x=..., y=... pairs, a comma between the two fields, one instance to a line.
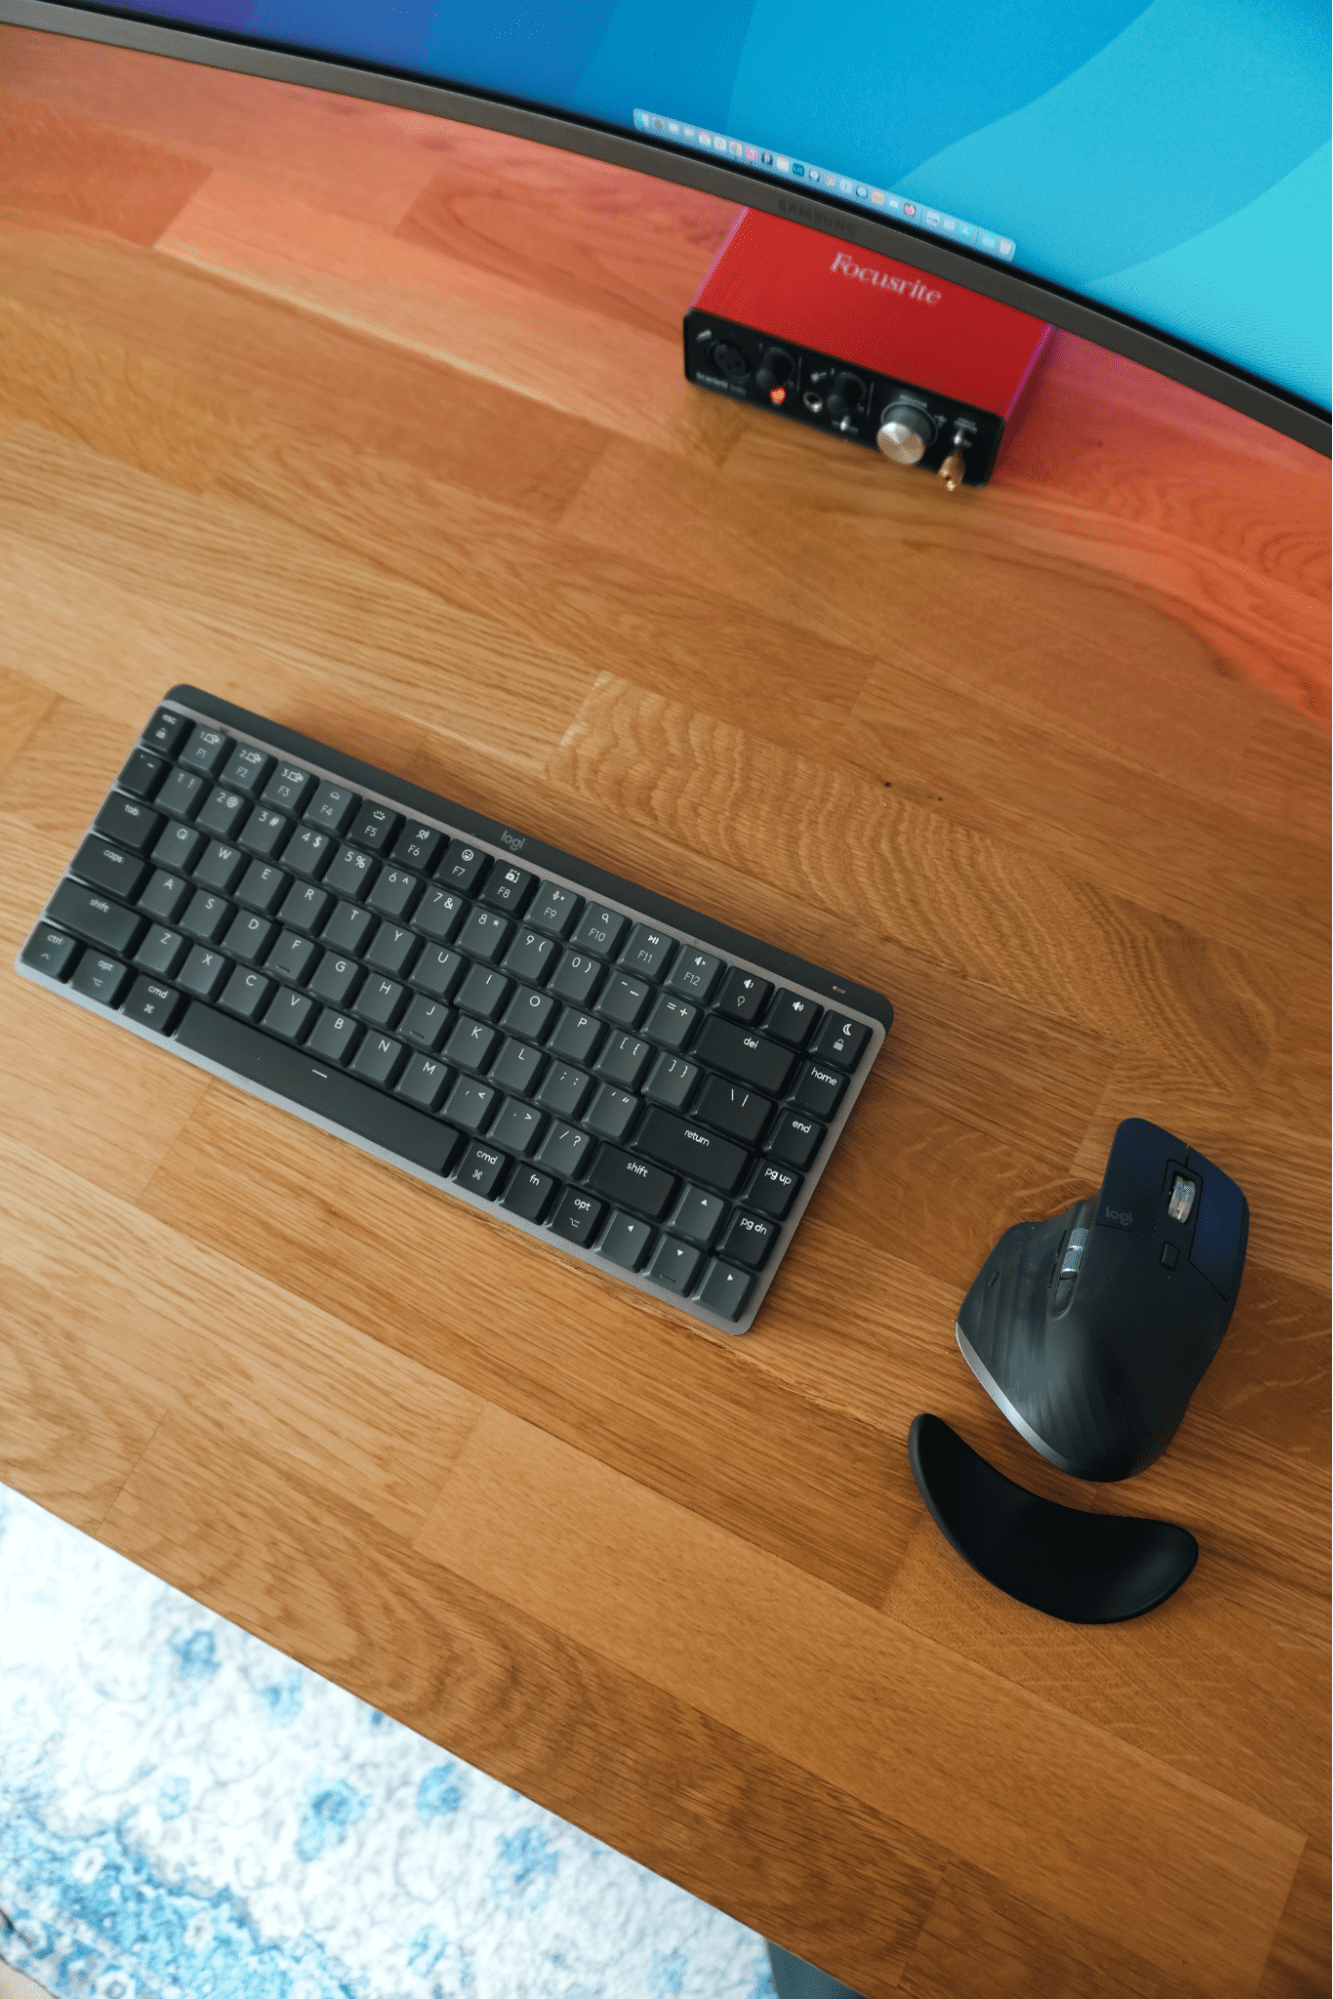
x=1078, y=1241
x=1182, y=1199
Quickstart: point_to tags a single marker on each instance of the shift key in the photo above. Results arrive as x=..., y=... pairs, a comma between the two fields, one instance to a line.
x=93, y=917
x=677, y=1143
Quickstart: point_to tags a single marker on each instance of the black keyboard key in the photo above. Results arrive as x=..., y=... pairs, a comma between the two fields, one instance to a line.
x=206, y=917
x=378, y=1059
x=671, y=1022
x=423, y=1081
x=50, y=951
x=261, y=887
x=127, y=822
x=461, y=866
x=289, y=1072
x=224, y=814
x=565, y=1090
x=100, y=978
x=818, y=1090
x=308, y=852
x=471, y=1104
x=772, y=1189
x=623, y=1061
x=529, y=957
x=600, y=929
x=246, y=770
x=92, y=917
x=795, y=1139
x=249, y=936
x=395, y=894
x=392, y=949
x=507, y=888
x=350, y=928
x=554, y=909
x=743, y=996
x=671, y=1082
x=288, y=788
x=206, y=750
x=334, y=1037
x=675, y=1265
x=264, y=834
x=484, y=935
x=380, y=1001
x=482, y=1170
x=204, y=972
x=166, y=896
x=376, y=828
x=166, y=732
x=631, y=1183
x=305, y=907
x=576, y=978
x=350, y=873
x=483, y=992
x=576, y=1036
x=177, y=847
x=647, y=952
x=698, y=1215
x=142, y=774
x=425, y=1022
x=517, y=1127
x=331, y=807
x=564, y=1150
x=694, y=975
x=111, y=868
x=725, y=1290
x=624, y=1000
x=418, y=845
x=627, y=1241
x=161, y=952
x=740, y=1113
x=612, y=1112
x=471, y=1046
x=290, y=1013
x=247, y=993
x=182, y=794
x=791, y=1018
x=749, y=1239
x=336, y=979
x=747, y=1056
x=528, y=1193
x=220, y=867
x=440, y=912
x=689, y=1149
x=840, y=1040
x=153, y=1005
x=576, y=1216
x=292, y=957
x=528, y=1014
x=437, y=972
x=518, y=1068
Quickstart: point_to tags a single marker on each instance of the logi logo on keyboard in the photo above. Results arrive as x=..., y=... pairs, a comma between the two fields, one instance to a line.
x=514, y=841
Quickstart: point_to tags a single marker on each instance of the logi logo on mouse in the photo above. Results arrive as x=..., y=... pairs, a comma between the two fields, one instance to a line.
x=1124, y=1216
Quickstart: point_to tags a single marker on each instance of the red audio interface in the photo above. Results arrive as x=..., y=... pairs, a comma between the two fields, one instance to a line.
x=856, y=344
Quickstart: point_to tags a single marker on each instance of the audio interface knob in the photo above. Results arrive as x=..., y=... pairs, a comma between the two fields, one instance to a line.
x=904, y=433
x=774, y=369
x=845, y=396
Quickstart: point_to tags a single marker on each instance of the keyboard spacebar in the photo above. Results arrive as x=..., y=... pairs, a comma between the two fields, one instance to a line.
x=341, y=1099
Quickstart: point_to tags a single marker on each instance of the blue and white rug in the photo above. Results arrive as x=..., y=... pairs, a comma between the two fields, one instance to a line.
x=185, y=1814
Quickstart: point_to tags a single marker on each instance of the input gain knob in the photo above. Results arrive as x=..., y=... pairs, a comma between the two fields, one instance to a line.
x=846, y=395
x=774, y=369
x=904, y=433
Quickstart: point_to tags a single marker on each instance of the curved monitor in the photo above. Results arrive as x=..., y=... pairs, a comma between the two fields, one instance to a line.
x=1154, y=177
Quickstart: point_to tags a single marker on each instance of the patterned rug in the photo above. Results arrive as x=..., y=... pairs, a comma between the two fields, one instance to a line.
x=185, y=1814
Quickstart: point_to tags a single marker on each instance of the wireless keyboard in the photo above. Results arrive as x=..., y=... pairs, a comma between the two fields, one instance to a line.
x=636, y=1085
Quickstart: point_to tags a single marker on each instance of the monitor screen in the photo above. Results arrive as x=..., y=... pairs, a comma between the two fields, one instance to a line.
x=1167, y=163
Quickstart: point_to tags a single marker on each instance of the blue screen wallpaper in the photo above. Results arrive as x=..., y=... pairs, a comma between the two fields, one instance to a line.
x=1171, y=161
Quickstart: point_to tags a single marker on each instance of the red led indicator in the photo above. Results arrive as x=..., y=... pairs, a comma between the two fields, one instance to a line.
x=777, y=395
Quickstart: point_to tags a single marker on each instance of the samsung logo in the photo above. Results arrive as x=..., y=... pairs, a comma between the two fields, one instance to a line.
x=828, y=223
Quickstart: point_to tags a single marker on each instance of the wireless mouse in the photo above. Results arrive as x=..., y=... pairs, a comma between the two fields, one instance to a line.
x=1092, y=1330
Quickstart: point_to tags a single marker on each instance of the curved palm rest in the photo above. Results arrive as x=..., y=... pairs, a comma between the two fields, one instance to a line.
x=1087, y=1568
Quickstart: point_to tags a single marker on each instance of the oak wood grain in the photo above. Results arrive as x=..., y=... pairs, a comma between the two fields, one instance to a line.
x=377, y=425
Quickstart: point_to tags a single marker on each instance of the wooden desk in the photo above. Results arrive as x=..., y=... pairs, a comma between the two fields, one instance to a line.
x=378, y=425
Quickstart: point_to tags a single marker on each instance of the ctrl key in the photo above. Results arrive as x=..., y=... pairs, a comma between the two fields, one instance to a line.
x=50, y=951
